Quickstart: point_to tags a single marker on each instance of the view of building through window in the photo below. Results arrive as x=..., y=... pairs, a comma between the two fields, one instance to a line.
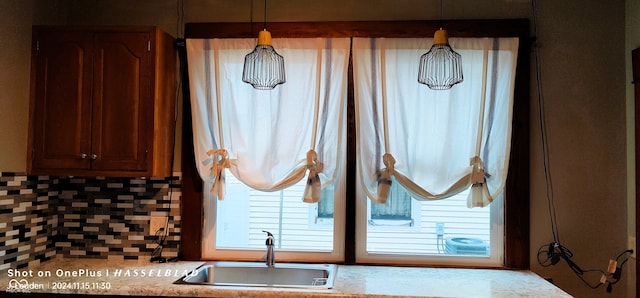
x=445, y=226
x=403, y=225
x=246, y=213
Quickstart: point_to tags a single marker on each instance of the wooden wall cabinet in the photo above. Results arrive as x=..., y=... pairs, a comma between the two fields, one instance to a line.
x=103, y=102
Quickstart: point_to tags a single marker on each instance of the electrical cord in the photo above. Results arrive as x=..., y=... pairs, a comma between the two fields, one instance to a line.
x=161, y=240
x=160, y=236
x=543, y=129
x=550, y=254
x=162, y=233
x=618, y=271
x=180, y=44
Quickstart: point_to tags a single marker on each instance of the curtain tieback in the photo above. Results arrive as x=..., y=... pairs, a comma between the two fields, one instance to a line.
x=384, y=177
x=479, y=195
x=313, y=187
x=220, y=160
x=477, y=173
x=312, y=160
x=389, y=162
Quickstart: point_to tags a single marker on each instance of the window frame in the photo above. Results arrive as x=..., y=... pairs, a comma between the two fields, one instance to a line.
x=367, y=256
x=288, y=255
x=516, y=215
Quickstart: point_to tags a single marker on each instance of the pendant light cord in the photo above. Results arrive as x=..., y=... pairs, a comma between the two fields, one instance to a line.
x=441, y=22
x=543, y=130
x=265, y=15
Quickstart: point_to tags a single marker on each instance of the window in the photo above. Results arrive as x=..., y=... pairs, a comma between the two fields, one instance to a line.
x=242, y=218
x=441, y=235
x=515, y=253
x=438, y=145
x=322, y=212
x=438, y=221
x=395, y=211
x=257, y=148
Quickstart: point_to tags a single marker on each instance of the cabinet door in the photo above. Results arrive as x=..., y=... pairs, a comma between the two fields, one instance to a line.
x=122, y=101
x=62, y=101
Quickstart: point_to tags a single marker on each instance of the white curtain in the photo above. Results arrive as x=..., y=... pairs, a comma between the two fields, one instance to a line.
x=269, y=139
x=434, y=143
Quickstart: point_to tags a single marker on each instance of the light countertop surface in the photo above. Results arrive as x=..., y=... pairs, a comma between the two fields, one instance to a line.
x=142, y=278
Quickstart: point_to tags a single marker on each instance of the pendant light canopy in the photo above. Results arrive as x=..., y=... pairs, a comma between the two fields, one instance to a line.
x=441, y=67
x=263, y=67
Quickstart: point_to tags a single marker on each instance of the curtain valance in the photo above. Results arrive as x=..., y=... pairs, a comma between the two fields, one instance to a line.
x=434, y=143
x=269, y=139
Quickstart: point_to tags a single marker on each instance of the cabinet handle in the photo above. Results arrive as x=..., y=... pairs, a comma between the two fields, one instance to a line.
x=83, y=155
x=94, y=157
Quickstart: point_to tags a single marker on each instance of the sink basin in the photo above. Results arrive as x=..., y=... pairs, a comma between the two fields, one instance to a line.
x=254, y=274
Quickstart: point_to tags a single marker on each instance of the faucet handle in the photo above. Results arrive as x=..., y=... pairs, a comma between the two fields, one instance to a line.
x=269, y=238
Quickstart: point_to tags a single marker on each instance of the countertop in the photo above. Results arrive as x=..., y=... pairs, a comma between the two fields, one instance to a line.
x=142, y=278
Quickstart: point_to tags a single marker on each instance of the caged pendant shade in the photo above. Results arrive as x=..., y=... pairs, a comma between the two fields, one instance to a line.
x=441, y=67
x=263, y=67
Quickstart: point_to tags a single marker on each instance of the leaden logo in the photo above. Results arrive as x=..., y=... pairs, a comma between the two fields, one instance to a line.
x=22, y=286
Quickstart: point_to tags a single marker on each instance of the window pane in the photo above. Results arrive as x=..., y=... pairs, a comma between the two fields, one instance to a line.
x=397, y=207
x=325, y=205
x=443, y=227
x=245, y=213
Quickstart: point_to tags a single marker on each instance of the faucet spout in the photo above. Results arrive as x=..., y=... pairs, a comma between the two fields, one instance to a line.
x=270, y=258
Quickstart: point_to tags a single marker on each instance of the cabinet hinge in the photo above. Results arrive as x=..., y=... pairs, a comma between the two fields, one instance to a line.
x=148, y=46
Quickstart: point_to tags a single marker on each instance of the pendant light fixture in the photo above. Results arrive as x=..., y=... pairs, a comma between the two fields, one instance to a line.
x=263, y=67
x=441, y=67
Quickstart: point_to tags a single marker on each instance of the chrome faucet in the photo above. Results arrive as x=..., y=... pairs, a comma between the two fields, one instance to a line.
x=270, y=258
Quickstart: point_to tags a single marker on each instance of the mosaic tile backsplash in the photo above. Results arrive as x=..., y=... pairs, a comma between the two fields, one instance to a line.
x=41, y=217
x=28, y=219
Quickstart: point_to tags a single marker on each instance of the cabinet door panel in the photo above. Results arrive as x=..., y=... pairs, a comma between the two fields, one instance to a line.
x=122, y=101
x=62, y=113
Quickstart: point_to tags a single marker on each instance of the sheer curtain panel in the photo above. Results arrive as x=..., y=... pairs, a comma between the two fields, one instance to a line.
x=434, y=143
x=269, y=139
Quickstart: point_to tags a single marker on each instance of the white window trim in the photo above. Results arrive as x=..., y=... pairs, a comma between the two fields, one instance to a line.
x=210, y=252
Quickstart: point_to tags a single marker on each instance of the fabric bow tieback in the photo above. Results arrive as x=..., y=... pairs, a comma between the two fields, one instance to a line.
x=479, y=194
x=477, y=173
x=384, y=178
x=312, y=190
x=220, y=160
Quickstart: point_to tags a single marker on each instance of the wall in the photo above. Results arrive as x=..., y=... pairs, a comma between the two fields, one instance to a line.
x=582, y=47
x=583, y=87
x=632, y=41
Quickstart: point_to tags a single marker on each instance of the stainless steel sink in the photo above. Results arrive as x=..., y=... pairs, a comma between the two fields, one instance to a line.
x=254, y=274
